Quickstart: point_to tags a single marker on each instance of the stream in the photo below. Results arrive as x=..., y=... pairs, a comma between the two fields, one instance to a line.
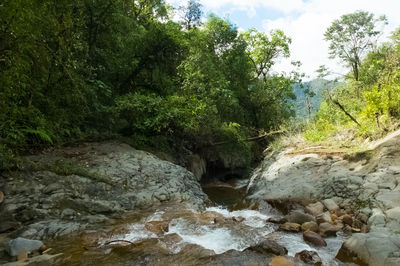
x=217, y=235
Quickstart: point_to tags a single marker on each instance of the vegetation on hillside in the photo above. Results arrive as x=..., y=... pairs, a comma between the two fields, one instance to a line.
x=87, y=69
x=368, y=100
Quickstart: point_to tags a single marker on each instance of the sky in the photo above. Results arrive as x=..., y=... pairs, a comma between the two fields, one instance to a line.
x=305, y=21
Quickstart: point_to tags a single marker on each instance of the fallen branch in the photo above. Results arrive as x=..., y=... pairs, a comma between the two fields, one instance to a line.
x=118, y=240
x=251, y=139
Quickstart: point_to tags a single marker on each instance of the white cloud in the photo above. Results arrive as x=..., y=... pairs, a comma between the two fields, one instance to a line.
x=305, y=22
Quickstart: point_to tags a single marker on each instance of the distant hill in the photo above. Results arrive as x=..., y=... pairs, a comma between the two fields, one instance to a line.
x=317, y=86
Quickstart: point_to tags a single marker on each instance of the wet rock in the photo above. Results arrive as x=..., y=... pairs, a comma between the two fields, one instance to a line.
x=290, y=227
x=280, y=261
x=315, y=208
x=327, y=229
x=309, y=257
x=269, y=247
x=21, y=245
x=172, y=238
x=219, y=220
x=309, y=226
x=209, y=217
x=330, y=204
x=347, y=219
x=157, y=227
x=299, y=217
x=238, y=219
x=235, y=257
x=314, y=239
x=277, y=220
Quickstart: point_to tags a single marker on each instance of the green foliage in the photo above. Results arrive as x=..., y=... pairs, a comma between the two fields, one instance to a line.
x=75, y=69
x=351, y=36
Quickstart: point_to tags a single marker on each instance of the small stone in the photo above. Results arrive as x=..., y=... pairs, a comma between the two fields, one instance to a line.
x=347, y=219
x=309, y=226
x=290, y=227
x=280, y=261
x=314, y=239
x=309, y=257
x=330, y=204
x=333, y=217
x=315, y=208
x=1, y=196
x=327, y=229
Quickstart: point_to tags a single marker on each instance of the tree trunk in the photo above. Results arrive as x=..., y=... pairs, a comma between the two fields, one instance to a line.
x=344, y=110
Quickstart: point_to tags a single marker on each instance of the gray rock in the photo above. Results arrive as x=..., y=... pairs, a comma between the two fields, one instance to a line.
x=330, y=204
x=20, y=245
x=119, y=178
x=375, y=248
x=315, y=208
x=327, y=229
x=393, y=213
x=299, y=217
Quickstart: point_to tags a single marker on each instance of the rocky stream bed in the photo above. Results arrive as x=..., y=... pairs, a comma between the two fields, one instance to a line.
x=122, y=206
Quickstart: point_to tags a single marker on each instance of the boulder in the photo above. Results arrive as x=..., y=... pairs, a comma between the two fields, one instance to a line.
x=290, y=227
x=280, y=261
x=22, y=245
x=299, y=217
x=309, y=226
x=375, y=248
x=327, y=229
x=269, y=247
x=315, y=209
x=309, y=257
x=314, y=239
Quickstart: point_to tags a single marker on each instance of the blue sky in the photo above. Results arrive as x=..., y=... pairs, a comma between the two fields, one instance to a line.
x=305, y=21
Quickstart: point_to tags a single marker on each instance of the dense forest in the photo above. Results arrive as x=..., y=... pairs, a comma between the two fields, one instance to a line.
x=73, y=70
x=76, y=70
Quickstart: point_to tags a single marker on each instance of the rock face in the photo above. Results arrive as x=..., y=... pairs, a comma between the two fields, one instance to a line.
x=368, y=182
x=118, y=178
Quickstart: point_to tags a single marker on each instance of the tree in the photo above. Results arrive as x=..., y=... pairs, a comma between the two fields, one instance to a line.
x=352, y=36
x=191, y=14
x=263, y=50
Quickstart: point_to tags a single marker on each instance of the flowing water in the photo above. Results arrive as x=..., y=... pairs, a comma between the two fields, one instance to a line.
x=193, y=237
